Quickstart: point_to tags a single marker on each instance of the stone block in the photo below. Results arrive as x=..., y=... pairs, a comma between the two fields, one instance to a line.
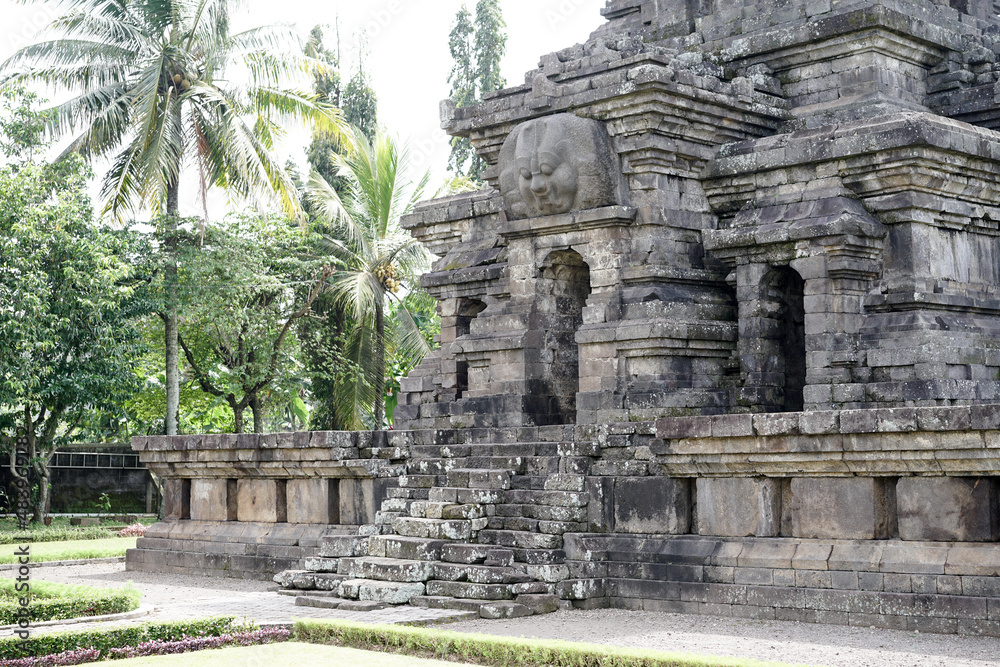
x=652, y=505
x=176, y=499
x=948, y=509
x=209, y=499
x=360, y=499
x=313, y=500
x=257, y=500
x=859, y=508
x=739, y=507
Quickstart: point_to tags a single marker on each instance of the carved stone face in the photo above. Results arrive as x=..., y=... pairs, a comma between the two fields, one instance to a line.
x=558, y=164
x=548, y=179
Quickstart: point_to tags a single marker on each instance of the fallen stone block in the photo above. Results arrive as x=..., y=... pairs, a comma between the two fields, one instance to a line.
x=498, y=610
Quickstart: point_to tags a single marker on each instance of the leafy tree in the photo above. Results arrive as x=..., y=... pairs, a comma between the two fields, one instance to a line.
x=360, y=104
x=71, y=301
x=243, y=289
x=155, y=87
x=490, y=46
x=377, y=261
x=477, y=49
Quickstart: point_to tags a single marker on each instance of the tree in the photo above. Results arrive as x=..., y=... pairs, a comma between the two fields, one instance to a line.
x=239, y=289
x=71, y=301
x=477, y=50
x=377, y=261
x=155, y=86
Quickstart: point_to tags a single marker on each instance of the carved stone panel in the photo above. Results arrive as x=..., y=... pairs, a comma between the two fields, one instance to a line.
x=559, y=164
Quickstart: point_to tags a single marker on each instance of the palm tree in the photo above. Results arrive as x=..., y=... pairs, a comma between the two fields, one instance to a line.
x=378, y=262
x=156, y=88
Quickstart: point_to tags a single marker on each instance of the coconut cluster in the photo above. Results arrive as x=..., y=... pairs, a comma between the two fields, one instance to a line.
x=389, y=277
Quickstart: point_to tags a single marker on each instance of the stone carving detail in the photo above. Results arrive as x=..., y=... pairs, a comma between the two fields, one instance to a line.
x=558, y=164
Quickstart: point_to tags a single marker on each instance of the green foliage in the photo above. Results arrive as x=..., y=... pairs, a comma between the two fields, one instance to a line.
x=52, y=534
x=377, y=262
x=71, y=299
x=495, y=651
x=490, y=46
x=106, y=639
x=154, y=84
x=242, y=287
x=477, y=49
x=361, y=104
x=50, y=602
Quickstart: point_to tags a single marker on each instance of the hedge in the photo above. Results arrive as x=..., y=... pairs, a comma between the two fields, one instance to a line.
x=120, y=637
x=495, y=651
x=51, y=602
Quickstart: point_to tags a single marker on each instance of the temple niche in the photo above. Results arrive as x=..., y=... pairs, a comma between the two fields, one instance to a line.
x=720, y=334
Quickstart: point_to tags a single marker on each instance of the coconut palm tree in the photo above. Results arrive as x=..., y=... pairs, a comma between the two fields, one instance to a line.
x=163, y=84
x=379, y=262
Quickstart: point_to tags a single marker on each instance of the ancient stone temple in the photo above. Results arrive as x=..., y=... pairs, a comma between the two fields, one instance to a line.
x=720, y=335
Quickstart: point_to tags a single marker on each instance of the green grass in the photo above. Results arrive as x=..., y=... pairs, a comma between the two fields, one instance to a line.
x=496, y=651
x=285, y=653
x=41, y=552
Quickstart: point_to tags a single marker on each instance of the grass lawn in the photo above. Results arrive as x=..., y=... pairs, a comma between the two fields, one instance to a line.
x=71, y=550
x=285, y=653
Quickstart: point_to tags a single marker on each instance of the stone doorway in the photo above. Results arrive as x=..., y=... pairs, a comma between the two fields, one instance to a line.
x=468, y=310
x=785, y=294
x=563, y=290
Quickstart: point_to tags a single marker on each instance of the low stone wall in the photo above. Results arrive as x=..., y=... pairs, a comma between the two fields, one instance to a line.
x=248, y=506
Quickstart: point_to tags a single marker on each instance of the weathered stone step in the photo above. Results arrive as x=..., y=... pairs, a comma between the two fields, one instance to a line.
x=445, y=602
x=321, y=602
x=478, y=574
x=306, y=580
x=465, y=496
x=386, y=569
x=521, y=540
x=341, y=546
x=437, y=529
x=475, y=478
x=460, y=589
x=425, y=509
x=406, y=548
x=390, y=592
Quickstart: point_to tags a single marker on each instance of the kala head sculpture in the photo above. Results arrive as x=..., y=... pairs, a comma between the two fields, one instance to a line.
x=558, y=164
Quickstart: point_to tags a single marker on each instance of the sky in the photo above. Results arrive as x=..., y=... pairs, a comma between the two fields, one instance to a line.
x=407, y=56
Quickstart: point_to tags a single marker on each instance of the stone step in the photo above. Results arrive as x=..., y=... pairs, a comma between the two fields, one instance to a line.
x=417, y=481
x=425, y=509
x=291, y=592
x=390, y=592
x=437, y=529
x=465, y=496
x=341, y=546
x=520, y=540
x=504, y=609
x=445, y=602
x=322, y=564
x=461, y=589
x=386, y=569
x=478, y=574
x=406, y=548
x=475, y=478
x=320, y=602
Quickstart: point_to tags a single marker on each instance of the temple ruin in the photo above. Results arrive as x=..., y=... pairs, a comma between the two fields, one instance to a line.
x=720, y=335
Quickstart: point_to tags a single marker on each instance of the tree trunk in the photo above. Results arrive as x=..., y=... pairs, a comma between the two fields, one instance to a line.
x=379, y=364
x=44, y=491
x=238, y=416
x=170, y=321
x=258, y=414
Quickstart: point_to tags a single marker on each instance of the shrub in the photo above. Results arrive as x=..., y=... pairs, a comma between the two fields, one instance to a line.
x=252, y=638
x=59, y=534
x=77, y=657
x=107, y=639
x=50, y=602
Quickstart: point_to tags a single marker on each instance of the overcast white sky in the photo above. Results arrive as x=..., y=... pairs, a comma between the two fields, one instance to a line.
x=408, y=54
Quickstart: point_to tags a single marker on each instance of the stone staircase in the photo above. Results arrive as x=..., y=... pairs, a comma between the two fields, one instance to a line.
x=475, y=527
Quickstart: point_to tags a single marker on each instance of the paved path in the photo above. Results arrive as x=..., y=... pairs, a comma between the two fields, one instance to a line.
x=177, y=597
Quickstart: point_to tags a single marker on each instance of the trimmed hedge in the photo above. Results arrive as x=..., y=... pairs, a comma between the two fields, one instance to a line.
x=52, y=602
x=133, y=635
x=46, y=534
x=495, y=651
